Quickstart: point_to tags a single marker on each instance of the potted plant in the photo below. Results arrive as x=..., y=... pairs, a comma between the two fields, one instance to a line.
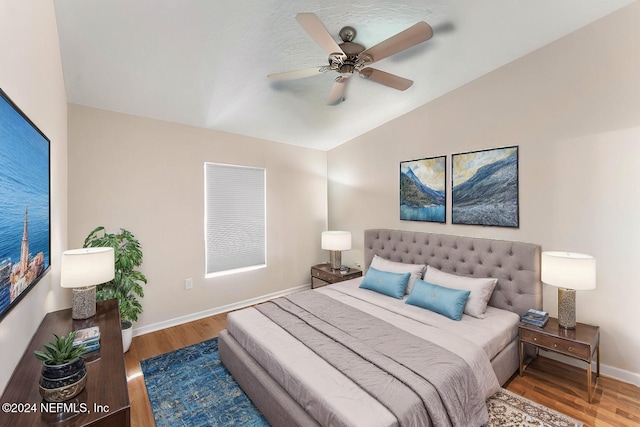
x=63, y=373
x=126, y=286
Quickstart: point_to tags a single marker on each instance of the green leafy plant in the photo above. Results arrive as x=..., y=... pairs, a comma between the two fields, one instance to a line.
x=126, y=286
x=60, y=351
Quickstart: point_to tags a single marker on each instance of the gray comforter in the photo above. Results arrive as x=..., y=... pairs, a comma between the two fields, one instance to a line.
x=421, y=383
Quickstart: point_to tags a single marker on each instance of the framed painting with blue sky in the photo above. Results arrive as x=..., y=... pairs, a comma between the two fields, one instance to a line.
x=423, y=194
x=485, y=187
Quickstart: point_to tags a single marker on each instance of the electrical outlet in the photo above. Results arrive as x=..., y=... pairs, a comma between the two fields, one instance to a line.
x=188, y=284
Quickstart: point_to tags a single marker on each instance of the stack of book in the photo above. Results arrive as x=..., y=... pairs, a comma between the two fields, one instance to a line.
x=536, y=317
x=89, y=337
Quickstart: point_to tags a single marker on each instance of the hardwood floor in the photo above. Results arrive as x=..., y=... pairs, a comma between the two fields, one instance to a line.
x=563, y=387
x=545, y=381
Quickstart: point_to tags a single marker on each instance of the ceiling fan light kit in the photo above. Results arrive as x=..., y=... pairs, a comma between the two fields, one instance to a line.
x=349, y=57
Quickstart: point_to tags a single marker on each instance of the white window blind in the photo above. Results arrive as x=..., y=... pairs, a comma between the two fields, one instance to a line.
x=235, y=218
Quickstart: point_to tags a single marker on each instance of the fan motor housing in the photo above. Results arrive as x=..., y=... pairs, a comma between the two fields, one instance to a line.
x=345, y=61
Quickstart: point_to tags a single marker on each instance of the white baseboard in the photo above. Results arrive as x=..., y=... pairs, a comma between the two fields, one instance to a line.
x=605, y=370
x=216, y=310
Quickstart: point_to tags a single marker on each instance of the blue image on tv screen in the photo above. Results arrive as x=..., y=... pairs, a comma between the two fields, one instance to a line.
x=25, y=230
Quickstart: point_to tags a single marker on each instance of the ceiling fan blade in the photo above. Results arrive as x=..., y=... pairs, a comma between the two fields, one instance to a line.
x=318, y=32
x=412, y=36
x=298, y=74
x=336, y=95
x=386, y=79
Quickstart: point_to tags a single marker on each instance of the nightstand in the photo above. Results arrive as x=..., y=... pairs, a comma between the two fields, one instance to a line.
x=323, y=274
x=580, y=343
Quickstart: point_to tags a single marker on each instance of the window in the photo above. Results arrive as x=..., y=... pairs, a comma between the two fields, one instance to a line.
x=235, y=218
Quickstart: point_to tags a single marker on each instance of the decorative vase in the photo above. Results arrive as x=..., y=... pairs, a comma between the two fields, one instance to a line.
x=127, y=334
x=62, y=382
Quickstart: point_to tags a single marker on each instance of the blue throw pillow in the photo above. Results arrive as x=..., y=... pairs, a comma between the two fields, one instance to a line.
x=385, y=282
x=446, y=301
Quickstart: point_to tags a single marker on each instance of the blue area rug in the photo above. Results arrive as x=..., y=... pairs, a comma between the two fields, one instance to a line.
x=190, y=387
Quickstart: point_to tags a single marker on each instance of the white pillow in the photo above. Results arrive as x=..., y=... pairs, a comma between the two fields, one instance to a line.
x=481, y=289
x=416, y=270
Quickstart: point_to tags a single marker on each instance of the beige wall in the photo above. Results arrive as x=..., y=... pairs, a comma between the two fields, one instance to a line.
x=148, y=176
x=31, y=74
x=573, y=108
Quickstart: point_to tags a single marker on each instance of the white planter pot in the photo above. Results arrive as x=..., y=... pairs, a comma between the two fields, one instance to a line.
x=127, y=334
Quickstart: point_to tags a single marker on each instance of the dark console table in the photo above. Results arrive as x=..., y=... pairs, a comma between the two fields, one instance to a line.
x=105, y=399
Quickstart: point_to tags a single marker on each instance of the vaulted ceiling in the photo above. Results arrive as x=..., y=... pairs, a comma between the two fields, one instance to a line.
x=205, y=62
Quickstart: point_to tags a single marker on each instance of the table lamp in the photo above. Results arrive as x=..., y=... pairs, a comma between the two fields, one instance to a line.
x=82, y=270
x=568, y=271
x=335, y=242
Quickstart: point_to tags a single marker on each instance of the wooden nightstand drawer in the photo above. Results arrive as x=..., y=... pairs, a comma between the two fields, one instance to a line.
x=323, y=275
x=557, y=344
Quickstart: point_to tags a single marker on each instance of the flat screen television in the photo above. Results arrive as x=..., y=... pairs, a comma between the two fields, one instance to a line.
x=25, y=205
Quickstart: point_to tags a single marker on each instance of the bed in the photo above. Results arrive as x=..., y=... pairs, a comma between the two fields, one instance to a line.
x=347, y=355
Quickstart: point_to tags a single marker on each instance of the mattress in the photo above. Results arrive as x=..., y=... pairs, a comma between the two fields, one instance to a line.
x=334, y=399
x=492, y=334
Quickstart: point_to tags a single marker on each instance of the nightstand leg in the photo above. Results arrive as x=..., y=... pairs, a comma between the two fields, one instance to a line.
x=520, y=354
x=592, y=387
x=589, y=380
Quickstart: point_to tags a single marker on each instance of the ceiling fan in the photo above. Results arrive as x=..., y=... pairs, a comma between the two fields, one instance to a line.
x=349, y=57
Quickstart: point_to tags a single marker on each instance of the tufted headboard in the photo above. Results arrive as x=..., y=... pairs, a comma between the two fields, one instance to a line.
x=516, y=265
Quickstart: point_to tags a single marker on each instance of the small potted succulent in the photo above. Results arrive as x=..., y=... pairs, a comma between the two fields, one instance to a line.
x=64, y=374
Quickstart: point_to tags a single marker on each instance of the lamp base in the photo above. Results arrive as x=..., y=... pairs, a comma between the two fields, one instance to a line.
x=567, y=308
x=83, y=303
x=335, y=258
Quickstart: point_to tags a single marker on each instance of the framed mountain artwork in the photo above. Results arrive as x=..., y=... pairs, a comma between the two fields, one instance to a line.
x=423, y=189
x=485, y=187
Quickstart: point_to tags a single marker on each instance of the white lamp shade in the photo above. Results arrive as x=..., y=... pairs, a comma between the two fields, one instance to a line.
x=87, y=267
x=336, y=240
x=569, y=270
